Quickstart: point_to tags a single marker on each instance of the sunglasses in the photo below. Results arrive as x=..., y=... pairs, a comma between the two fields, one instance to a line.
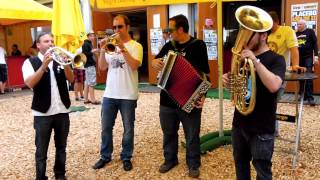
x=118, y=26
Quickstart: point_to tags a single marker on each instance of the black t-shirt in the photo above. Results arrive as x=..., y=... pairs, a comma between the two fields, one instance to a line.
x=86, y=49
x=195, y=52
x=262, y=119
x=307, y=41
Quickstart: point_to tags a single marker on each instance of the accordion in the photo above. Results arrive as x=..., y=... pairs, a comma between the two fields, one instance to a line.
x=181, y=81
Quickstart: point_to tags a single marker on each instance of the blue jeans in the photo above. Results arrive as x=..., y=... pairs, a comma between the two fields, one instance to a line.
x=258, y=148
x=43, y=126
x=308, y=63
x=170, y=119
x=110, y=108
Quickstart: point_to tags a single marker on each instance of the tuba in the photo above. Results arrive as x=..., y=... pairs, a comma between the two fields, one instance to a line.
x=243, y=79
x=64, y=57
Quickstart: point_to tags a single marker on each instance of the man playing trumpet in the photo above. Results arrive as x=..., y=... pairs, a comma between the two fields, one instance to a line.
x=49, y=105
x=121, y=91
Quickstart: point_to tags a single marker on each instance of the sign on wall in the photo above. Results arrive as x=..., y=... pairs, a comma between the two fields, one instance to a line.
x=307, y=11
x=210, y=38
x=155, y=40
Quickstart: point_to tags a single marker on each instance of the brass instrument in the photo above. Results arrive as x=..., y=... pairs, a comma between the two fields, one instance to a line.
x=112, y=43
x=64, y=57
x=243, y=79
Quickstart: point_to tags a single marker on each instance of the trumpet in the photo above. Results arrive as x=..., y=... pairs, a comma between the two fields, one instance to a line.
x=111, y=43
x=64, y=57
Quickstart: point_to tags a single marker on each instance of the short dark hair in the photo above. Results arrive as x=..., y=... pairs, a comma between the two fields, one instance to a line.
x=274, y=16
x=42, y=34
x=181, y=21
x=15, y=45
x=125, y=19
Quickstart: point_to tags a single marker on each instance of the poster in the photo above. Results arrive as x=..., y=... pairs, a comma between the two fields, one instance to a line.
x=156, y=40
x=307, y=11
x=210, y=38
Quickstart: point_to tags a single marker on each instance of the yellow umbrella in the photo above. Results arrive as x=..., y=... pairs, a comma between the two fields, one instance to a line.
x=67, y=24
x=14, y=11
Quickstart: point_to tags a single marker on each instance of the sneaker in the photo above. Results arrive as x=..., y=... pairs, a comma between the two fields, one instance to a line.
x=311, y=102
x=100, y=164
x=165, y=167
x=194, y=172
x=77, y=99
x=61, y=178
x=127, y=165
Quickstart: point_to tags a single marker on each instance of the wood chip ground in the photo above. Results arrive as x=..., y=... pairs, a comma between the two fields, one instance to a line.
x=17, y=143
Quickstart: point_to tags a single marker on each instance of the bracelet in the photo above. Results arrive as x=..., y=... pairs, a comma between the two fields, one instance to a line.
x=258, y=61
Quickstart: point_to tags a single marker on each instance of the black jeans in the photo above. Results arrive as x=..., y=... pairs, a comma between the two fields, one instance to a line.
x=308, y=94
x=258, y=148
x=170, y=119
x=43, y=126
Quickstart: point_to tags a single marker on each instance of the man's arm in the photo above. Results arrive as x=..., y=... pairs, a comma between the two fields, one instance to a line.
x=68, y=73
x=294, y=53
x=269, y=79
x=33, y=80
x=102, y=63
x=132, y=62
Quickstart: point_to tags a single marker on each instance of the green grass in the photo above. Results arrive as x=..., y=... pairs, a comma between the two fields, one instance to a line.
x=214, y=93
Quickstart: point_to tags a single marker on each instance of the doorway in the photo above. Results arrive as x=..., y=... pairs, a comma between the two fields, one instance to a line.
x=138, y=32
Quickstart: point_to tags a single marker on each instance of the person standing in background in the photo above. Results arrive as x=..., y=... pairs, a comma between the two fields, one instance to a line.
x=3, y=70
x=90, y=70
x=308, y=55
x=15, y=50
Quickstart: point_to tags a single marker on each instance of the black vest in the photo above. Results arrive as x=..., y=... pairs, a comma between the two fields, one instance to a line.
x=42, y=91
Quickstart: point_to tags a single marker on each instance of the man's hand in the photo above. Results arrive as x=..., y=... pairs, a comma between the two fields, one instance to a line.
x=46, y=60
x=246, y=53
x=226, y=80
x=157, y=64
x=297, y=69
x=200, y=102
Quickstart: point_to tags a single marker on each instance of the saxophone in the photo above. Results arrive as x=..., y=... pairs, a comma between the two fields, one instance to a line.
x=243, y=78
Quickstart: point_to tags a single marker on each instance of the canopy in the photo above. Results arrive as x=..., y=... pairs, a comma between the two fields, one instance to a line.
x=67, y=24
x=14, y=11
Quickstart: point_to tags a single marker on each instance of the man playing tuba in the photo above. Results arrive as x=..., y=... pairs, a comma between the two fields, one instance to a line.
x=253, y=134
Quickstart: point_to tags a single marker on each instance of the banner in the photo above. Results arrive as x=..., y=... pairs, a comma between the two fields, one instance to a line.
x=307, y=11
x=102, y=4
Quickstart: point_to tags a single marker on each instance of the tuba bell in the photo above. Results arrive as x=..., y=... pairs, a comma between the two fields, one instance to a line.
x=243, y=79
x=64, y=57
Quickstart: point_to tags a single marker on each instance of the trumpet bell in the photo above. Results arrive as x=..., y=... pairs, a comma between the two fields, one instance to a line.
x=254, y=18
x=79, y=61
x=112, y=43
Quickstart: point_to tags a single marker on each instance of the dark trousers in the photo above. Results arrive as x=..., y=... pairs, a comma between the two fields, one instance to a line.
x=258, y=148
x=308, y=63
x=170, y=119
x=43, y=126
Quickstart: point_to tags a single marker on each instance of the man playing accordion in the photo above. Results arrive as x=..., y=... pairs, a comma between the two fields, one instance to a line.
x=195, y=51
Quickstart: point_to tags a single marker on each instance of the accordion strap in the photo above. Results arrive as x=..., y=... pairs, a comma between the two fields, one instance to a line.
x=181, y=50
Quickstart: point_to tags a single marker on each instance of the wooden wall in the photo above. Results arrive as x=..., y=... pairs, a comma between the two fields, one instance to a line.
x=101, y=21
x=204, y=11
x=151, y=10
x=19, y=34
x=316, y=83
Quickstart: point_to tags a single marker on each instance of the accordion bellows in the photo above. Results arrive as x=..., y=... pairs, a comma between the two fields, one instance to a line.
x=181, y=81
